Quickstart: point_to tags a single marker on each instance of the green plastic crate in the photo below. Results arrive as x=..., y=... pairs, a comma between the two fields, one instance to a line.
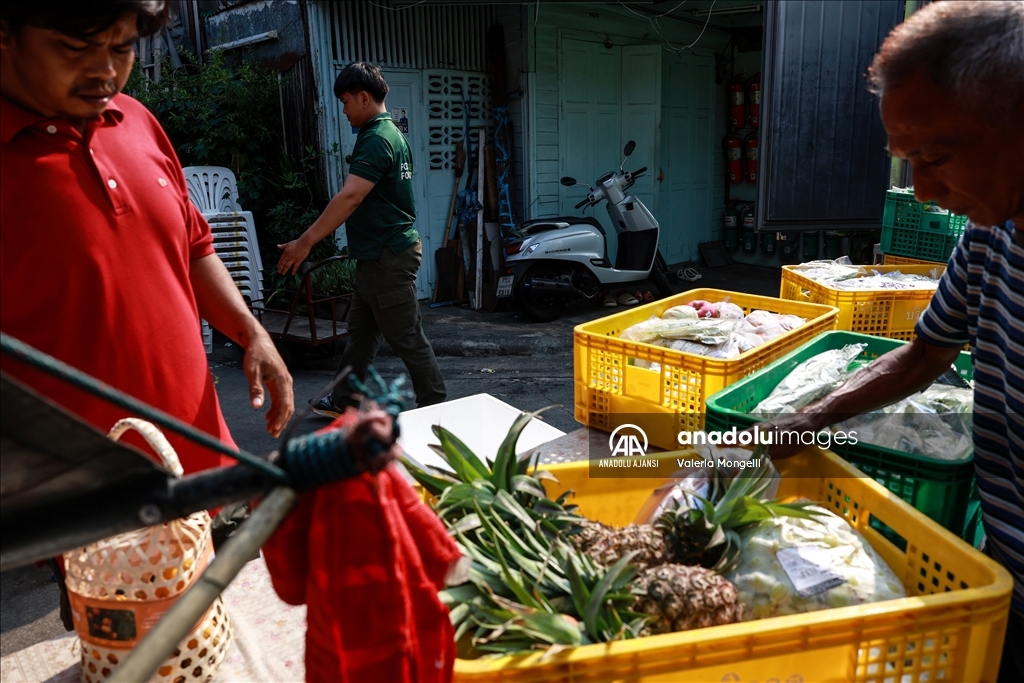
x=916, y=230
x=940, y=489
x=974, y=530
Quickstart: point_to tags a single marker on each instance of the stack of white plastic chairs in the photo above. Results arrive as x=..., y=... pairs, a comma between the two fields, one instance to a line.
x=214, y=191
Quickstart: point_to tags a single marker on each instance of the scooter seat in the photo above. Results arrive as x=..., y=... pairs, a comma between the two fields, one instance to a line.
x=559, y=223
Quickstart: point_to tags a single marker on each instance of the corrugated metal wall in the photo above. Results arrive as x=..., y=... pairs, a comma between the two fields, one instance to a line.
x=300, y=123
x=824, y=145
x=408, y=37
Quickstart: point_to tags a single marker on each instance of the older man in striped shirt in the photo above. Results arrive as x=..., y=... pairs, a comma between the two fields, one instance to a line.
x=951, y=81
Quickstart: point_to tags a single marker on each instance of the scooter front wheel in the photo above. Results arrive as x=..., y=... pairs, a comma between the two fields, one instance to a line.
x=540, y=308
x=659, y=277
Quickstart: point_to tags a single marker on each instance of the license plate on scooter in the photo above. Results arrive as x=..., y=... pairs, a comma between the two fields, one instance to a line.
x=505, y=286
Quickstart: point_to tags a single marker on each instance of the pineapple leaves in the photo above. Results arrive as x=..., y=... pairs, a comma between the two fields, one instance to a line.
x=506, y=503
x=465, y=463
x=546, y=475
x=528, y=485
x=599, y=597
x=505, y=464
x=467, y=523
x=434, y=485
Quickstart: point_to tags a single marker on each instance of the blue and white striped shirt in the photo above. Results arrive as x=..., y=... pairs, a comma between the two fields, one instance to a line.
x=980, y=300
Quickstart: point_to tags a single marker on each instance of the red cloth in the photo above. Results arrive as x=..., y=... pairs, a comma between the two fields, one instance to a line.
x=96, y=238
x=367, y=557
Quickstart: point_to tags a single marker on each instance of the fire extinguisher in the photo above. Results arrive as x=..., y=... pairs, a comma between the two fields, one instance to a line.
x=734, y=157
x=750, y=147
x=754, y=99
x=737, y=106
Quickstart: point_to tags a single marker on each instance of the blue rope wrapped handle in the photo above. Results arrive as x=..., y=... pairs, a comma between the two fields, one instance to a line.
x=307, y=462
x=316, y=459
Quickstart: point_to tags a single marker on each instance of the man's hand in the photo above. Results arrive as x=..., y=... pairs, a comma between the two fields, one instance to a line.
x=263, y=365
x=222, y=305
x=801, y=423
x=373, y=425
x=295, y=252
x=889, y=378
x=337, y=212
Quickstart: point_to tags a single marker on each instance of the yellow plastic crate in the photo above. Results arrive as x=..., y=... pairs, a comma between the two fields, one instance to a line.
x=951, y=628
x=890, y=260
x=611, y=390
x=881, y=312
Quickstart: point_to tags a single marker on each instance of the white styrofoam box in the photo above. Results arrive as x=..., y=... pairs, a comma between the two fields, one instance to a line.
x=480, y=421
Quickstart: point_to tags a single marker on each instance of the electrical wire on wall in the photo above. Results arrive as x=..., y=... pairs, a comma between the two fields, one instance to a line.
x=655, y=24
x=710, y=10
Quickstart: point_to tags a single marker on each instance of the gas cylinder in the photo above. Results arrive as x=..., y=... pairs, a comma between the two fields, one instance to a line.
x=810, y=250
x=731, y=223
x=747, y=222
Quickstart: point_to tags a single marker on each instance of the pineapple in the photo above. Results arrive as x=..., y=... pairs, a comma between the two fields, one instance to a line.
x=607, y=545
x=675, y=597
x=590, y=532
x=704, y=532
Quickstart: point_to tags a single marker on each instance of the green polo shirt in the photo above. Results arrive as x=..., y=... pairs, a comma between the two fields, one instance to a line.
x=386, y=215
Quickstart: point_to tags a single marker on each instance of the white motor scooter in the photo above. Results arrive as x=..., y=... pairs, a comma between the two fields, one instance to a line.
x=550, y=261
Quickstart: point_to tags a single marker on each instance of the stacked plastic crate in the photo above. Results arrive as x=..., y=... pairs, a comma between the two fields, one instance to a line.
x=915, y=233
x=214, y=191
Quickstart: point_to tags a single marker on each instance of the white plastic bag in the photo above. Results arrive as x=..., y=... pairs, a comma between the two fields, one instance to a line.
x=809, y=381
x=832, y=566
x=936, y=423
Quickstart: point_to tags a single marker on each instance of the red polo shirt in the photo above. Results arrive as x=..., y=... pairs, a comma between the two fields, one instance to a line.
x=97, y=235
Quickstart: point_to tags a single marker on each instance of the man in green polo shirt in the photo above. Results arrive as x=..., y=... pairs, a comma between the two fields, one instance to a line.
x=378, y=209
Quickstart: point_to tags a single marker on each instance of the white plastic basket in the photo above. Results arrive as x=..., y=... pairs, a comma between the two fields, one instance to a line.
x=120, y=587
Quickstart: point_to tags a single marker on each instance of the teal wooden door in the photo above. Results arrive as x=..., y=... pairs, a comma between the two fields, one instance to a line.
x=607, y=97
x=590, y=119
x=405, y=97
x=641, y=116
x=687, y=161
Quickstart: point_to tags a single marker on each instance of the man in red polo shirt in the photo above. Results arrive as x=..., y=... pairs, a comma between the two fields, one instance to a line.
x=105, y=263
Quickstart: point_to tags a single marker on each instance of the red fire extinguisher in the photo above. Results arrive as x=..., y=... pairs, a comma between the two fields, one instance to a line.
x=734, y=157
x=737, y=108
x=750, y=147
x=754, y=99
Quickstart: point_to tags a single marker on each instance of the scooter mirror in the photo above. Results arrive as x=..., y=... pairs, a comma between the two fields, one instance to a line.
x=567, y=181
x=630, y=146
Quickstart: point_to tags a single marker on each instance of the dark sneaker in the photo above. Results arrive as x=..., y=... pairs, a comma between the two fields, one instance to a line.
x=325, y=407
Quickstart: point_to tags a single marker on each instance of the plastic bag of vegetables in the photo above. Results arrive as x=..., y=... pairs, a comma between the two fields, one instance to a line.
x=791, y=565
x=810, y=380
x=705, y=330
x=935, y=423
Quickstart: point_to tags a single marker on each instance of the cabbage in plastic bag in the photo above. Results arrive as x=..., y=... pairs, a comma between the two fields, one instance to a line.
x=684, y=311
x=840, y=568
